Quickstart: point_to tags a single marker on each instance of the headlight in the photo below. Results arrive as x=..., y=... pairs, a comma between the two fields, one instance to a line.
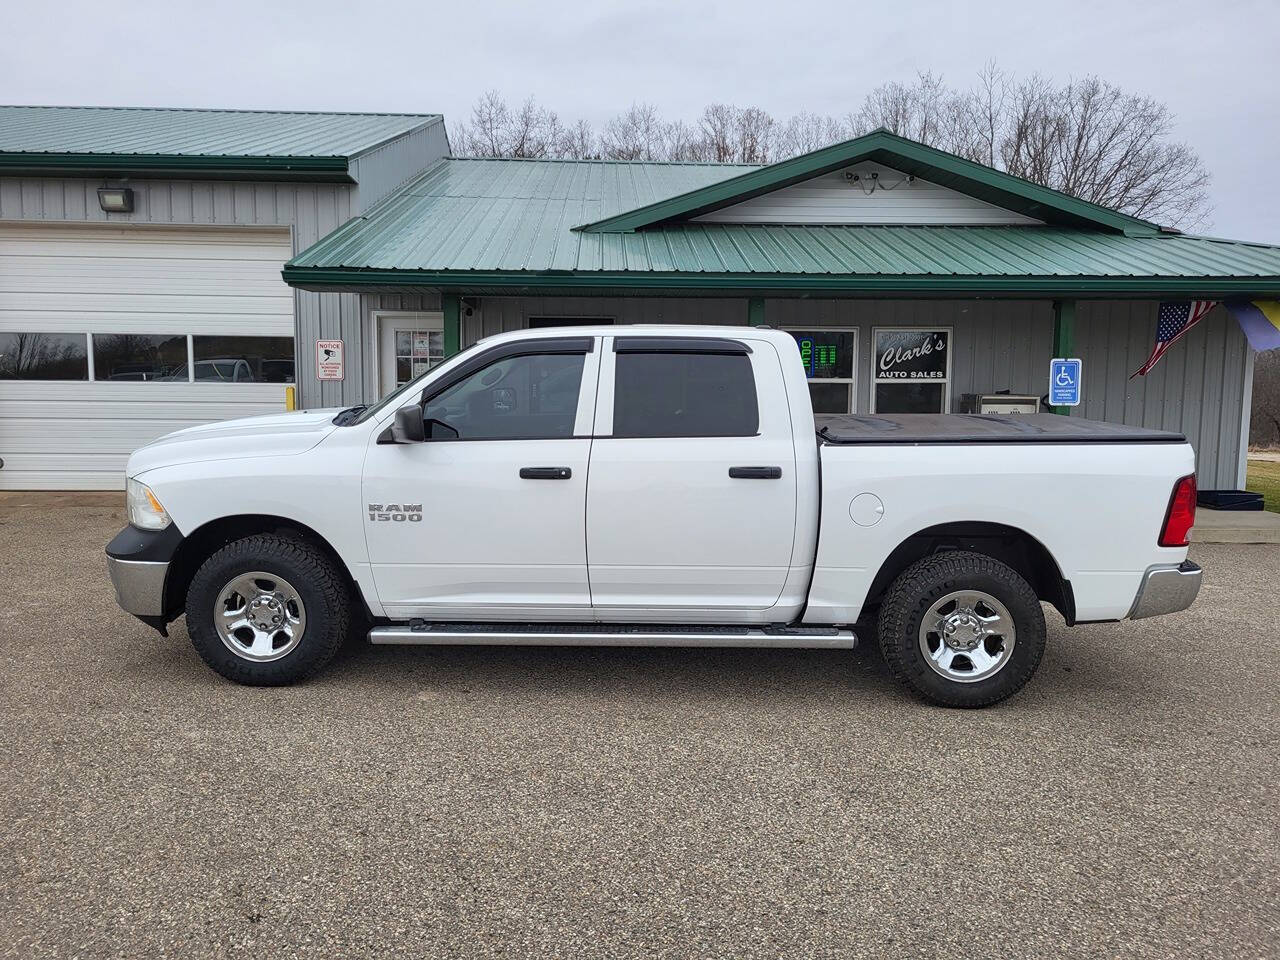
x=145, y=510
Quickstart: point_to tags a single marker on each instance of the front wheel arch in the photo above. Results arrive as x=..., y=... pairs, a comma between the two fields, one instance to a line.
x=207, y=539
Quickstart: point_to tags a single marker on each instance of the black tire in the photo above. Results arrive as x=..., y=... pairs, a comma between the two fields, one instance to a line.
x=320, y=585
x=929, y=580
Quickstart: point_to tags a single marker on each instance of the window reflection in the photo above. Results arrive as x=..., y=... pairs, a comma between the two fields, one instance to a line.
x=43, y=356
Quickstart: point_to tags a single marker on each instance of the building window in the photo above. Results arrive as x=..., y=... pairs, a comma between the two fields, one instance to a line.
x=830, y=358
x=44, y=356
x=243, y=359
x=140, y=357
x=417, y=351
x=684, y=395
x=911, y=370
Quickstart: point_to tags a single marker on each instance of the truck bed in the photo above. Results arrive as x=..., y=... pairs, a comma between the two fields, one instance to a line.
x=957, y=428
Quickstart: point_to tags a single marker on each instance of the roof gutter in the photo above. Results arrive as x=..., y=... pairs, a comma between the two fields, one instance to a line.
x=324, y=278
x=186, y=165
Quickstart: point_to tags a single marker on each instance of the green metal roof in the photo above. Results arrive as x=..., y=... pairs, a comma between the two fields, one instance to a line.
x=128, y=139
x=906, y=156
x=509, y=224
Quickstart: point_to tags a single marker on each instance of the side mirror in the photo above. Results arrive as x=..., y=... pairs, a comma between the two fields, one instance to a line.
x=406, y=427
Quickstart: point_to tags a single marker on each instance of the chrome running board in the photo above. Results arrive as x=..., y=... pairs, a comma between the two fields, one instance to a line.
x=614, y=635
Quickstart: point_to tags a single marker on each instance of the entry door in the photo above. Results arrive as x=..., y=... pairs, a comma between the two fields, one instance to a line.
x=691, y=509
x=489, y=523
x=409, y=344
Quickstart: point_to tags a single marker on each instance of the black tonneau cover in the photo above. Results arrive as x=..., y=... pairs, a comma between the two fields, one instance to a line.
x=980, y=428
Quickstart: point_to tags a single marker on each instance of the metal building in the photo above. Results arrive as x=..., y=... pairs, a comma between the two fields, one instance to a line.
x=913, y=279
x=140, y=256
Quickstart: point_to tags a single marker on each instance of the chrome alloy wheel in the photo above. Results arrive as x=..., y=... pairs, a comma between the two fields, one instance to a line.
x=259, y=616
x=967, y=636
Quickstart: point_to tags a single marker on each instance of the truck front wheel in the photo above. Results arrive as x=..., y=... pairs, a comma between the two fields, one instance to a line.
x=962, y=629
x=267, y=610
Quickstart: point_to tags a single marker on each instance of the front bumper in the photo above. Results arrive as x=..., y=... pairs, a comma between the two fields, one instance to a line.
x=139, y=585
x=1165, y=589
x=138, y=561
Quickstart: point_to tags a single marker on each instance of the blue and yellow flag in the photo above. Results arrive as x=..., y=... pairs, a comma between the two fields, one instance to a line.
x=1260, y=321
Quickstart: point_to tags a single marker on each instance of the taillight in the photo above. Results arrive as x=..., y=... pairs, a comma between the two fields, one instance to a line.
x=1181, y=515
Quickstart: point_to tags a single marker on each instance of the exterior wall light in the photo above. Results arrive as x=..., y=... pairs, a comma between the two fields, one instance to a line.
x=115, y=199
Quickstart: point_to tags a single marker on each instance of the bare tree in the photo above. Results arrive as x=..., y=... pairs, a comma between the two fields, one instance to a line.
x=806, y=132
x=1086, y=138
x=682, y=142
x=636, y=134
x=716, y=126
x=529, y=131
x=578, y=142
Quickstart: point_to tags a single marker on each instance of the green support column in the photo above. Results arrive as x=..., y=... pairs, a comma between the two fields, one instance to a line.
x=755, y=311
x=1064, y=323
x=452, y=307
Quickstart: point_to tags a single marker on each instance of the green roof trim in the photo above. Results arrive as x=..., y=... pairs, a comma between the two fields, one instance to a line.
x=908, y=156
x=99, y=164
x=781, y=284
x=94, y=141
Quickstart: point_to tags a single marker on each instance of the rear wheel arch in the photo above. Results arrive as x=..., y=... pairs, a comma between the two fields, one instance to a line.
x=208, y=539
x=1012, y=546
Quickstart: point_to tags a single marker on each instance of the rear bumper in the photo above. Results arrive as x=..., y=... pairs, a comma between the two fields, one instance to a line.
x=1166, y=588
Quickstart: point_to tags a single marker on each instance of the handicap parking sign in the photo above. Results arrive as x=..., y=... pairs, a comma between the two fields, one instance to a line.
x=1064, y=382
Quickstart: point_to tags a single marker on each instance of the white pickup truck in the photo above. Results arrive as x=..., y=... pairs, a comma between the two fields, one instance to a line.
x=654, y=485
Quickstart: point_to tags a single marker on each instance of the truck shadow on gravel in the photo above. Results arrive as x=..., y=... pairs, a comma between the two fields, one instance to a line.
x=719, y=674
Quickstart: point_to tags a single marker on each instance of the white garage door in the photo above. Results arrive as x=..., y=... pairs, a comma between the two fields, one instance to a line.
x=111, y=336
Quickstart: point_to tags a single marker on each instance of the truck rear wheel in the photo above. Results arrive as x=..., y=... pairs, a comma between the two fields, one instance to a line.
x=267, y=610
x=962, y=629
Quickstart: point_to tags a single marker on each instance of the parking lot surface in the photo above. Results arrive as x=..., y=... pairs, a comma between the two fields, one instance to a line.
x=603, y=802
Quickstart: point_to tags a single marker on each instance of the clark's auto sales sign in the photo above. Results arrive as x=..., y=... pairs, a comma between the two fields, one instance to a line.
x=912, y=354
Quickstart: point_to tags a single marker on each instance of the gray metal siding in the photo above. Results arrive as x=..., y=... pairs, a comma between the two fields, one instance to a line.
x=1198, y=387
x=499, y=314
x=310, y=210
x=384, y=168
x=996, y=344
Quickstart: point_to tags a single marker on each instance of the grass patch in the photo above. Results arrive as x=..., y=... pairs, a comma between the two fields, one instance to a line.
x=1264, y=478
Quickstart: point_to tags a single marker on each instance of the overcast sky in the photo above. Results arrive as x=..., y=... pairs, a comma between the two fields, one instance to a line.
x=1213, y=63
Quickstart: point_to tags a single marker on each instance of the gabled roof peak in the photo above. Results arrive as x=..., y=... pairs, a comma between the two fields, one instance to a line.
x=938, y=166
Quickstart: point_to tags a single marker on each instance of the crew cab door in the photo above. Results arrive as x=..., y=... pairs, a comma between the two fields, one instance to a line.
x=691, y=507
x=484, y=520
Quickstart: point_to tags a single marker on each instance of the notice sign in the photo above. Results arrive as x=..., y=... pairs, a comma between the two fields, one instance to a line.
x=329, y=360
x=1064, y=382
x=912, y=354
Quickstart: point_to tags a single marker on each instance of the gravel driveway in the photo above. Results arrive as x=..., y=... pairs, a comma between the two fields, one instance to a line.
x=651, y=803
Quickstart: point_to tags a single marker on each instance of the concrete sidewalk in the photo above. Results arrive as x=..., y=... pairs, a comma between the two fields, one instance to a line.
x=1236, y=526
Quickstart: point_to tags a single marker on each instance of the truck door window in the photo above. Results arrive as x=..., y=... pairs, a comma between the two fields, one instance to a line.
x=684, y=395
x=530, y=397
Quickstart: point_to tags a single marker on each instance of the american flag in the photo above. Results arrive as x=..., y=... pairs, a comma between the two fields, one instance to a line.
x=1172, y=321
